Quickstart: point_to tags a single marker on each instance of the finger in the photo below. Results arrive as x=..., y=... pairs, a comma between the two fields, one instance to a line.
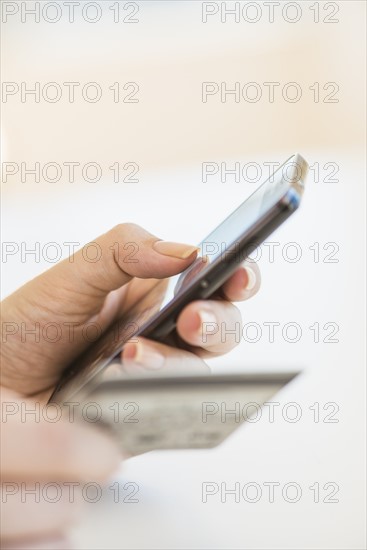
x=124, y=252
x=58, y=447
x=143, y=355
x=243, y=284
x=213, y=325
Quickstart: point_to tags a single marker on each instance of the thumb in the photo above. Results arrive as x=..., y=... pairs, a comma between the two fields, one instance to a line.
x=111, y=261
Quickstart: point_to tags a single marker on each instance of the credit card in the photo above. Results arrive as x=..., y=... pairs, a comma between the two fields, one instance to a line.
x=178, y=412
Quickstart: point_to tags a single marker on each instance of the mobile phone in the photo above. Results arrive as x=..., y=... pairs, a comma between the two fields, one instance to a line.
x=178, y=412
x=155, y=314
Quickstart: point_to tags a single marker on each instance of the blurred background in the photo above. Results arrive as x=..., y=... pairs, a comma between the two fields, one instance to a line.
x=148, y=61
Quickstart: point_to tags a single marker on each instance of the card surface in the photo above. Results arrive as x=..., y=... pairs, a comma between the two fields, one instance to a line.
x=178, y=412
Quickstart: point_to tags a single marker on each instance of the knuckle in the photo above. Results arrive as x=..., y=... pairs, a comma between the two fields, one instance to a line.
x=122, y=229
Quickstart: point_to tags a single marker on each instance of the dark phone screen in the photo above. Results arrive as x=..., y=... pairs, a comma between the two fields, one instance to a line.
x=163, y=292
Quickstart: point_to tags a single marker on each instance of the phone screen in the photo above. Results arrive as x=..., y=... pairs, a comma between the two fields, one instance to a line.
x=163, y=293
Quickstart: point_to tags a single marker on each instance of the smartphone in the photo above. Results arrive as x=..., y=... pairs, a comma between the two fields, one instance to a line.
x=221, y=252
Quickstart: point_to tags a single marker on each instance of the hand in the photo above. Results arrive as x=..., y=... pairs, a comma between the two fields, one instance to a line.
x=44, y=326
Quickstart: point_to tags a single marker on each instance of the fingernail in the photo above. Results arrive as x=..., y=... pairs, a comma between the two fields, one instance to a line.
x=251, y=278
x=175, y=250
x=143, y=355
x=206, y=318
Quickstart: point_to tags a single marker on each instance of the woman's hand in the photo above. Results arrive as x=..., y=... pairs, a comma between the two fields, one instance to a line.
x=44, y=329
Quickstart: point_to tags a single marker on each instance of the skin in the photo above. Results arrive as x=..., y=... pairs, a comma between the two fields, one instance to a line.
x=80, y=292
